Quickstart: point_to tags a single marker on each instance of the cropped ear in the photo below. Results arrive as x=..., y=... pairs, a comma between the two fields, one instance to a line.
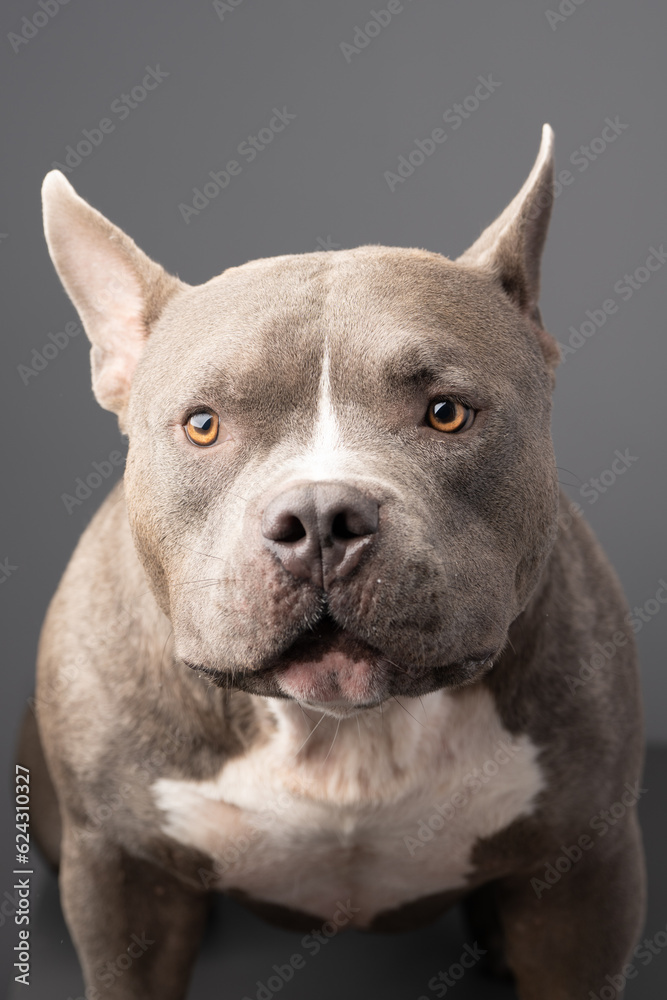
x=510, y=249
x=116, y=289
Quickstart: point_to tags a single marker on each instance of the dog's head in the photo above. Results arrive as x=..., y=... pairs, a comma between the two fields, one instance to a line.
x=340, y=476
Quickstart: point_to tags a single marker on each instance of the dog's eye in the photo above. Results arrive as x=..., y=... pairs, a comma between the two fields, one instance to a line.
x=202, y=427
x=449, y=415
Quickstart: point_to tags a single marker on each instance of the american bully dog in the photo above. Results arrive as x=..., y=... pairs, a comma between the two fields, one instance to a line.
x=321, y=649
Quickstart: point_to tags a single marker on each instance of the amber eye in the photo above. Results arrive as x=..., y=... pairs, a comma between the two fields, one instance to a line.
x=202, y=427
x=449, y=415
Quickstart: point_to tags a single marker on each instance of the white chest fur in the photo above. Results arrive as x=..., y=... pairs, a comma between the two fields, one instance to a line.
x=372, y=812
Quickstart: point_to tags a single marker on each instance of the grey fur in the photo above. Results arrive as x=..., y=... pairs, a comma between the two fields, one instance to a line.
x=484, y=579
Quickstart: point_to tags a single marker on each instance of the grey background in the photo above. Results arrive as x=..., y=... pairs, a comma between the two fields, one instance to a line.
x=321, y=180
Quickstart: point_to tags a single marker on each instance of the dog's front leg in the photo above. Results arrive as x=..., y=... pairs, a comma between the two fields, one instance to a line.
x=136, y=927
x=570, y=939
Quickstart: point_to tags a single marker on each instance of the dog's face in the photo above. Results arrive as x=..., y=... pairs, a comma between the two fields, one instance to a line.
x=340, y=477
x=335, y=538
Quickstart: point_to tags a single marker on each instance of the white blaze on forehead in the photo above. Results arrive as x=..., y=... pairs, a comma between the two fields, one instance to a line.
x=325, y=456
x=326, y=440
x=327, y=431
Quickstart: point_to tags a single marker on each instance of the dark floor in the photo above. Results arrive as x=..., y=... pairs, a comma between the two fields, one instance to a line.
x=240, y=950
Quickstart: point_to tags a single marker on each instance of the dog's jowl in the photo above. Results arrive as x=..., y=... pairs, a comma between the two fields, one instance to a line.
x=350, y=606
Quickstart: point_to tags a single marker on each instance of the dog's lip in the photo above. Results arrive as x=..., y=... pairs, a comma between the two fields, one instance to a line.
x=326, y=635
x=327, y=665
x=312, y=644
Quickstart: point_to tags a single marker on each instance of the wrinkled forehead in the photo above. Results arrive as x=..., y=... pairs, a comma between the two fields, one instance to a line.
x=373, y=316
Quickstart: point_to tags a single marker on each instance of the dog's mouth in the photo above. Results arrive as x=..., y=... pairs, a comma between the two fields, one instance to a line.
x=327, y=666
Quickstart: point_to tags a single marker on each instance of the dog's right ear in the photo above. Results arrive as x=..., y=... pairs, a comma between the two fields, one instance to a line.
x=116, y=289
x=510, y=249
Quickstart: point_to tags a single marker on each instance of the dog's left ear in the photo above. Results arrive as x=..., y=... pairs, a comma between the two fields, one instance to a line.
x=117, y=290
x=510, y=249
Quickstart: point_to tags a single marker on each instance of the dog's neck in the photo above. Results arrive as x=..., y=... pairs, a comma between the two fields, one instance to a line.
x=311, y=733
x=366, y=756
x=357, y=757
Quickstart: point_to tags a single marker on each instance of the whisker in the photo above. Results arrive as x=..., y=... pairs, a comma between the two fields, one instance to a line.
x=206, y=555
x=309, y=735
x=570, y=473
x=400, y=669
x=332, y=742
x=164, y=648
x=304, y=712
x=238, y=496
x=209, y=583
x=406, y=710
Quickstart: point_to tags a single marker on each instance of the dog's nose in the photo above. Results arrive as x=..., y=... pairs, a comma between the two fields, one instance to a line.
x=319, y=531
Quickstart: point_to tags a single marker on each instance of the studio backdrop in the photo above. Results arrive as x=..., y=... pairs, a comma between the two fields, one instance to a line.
x=217, y=132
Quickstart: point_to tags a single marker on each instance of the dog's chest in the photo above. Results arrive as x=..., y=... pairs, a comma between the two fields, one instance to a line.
x=372, y=813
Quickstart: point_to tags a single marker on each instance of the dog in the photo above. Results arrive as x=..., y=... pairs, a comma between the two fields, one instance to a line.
x=321, y=648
